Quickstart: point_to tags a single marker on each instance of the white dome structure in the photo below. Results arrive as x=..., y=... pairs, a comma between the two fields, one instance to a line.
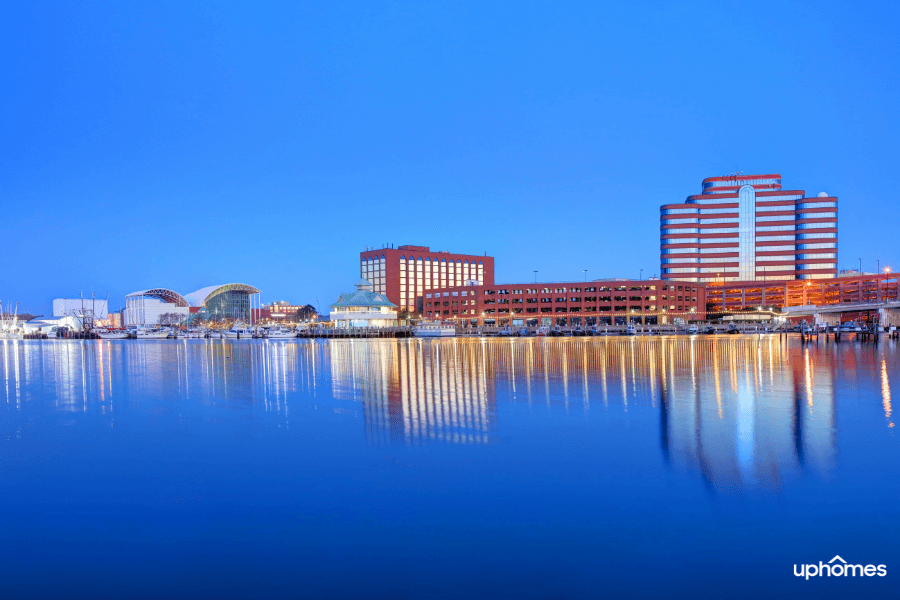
x=822, y=195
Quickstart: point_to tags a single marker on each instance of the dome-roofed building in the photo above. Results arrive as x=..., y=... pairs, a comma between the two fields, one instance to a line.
x=230, y=301
x=146, y=306
x=363, y=308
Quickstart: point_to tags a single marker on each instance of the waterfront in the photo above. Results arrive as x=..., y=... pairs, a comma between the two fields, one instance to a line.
x=527, y=468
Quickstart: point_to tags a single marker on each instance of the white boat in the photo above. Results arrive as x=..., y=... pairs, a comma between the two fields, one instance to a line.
x=630, y=330
x=435, y=329
x=693, y=330
x=238, y=333
x=278, y=333
x=150, y=334
x=111, y=334
x=542, y=331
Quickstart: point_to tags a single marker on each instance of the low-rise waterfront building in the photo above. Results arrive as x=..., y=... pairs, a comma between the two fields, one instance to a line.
x=295, y=313
x=231, y=301
x=852, y=288
x=49, y=325
x=363, y=308
x=599, y=302
x=144, y=308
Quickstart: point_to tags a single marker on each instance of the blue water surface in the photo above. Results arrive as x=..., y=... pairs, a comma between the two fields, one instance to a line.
x=456, y=468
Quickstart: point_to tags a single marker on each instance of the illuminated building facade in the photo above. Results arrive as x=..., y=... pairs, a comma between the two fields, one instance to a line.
x=601, y=302
x=232, y=301
x=285, y=311
x=363, y=308
x=743, y=295
x=747, y=228
x=407, y=272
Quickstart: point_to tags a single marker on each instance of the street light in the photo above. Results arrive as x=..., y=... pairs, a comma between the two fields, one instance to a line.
x=641, y=276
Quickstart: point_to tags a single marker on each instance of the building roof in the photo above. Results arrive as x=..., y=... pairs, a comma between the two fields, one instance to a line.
x=163, y=294
x=363, y=298
x=200, y=297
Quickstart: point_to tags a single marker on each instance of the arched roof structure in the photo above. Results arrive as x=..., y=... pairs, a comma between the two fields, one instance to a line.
x=202, y=296
x=163, y=294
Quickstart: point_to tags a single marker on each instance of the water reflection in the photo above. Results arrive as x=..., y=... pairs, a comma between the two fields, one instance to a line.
x=740, y=411
x=413, y=389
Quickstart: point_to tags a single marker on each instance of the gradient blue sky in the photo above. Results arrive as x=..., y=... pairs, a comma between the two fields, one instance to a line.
x=186, y=144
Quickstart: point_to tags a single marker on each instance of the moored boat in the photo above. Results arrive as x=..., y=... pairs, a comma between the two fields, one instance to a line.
x=435, y=329
x=278, y=333
x=111, y=334
x=142, y=333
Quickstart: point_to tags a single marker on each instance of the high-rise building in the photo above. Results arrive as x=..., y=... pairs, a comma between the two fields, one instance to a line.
x=407, y=272
x=747, y=228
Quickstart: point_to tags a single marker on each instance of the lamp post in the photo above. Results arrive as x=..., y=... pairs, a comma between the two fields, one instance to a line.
x=641, y=276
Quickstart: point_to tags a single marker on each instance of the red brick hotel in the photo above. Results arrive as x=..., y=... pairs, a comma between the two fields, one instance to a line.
x=407, y=272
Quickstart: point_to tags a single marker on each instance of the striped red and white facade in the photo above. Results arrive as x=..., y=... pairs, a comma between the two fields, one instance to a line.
x=747, y=228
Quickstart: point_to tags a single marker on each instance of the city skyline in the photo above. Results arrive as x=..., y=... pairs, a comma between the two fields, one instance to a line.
x=164, y=146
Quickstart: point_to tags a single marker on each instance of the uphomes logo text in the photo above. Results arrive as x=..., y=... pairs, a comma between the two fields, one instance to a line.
x=838, y=567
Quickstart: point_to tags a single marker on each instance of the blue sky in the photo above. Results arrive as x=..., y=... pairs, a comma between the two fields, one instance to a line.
x=187, y=144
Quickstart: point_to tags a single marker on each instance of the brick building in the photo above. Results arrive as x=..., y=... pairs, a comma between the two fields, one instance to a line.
x=855, y=288
x=407, y=272
x=602, y=302
x=747, y=228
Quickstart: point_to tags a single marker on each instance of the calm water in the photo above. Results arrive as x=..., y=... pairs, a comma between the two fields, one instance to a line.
x=532, y=468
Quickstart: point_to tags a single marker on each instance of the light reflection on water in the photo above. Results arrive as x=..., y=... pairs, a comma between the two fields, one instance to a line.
x=741, y=411
x=554, y=467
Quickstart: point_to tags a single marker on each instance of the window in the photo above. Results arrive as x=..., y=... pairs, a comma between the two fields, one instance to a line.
x=690, y=240
x=816, y=256
x=773, y=248
x=776, y=228
x=679, y=220
x=775, y=218
x=772, y=207
x=816, y=225
x=677, y=211
x=670, y=231
x=813, y=246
